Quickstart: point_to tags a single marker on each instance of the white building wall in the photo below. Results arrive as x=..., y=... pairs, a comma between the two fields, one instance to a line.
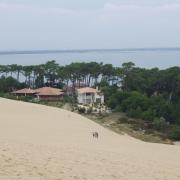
x=83, y=99
x=80, y=98
x=101, y=97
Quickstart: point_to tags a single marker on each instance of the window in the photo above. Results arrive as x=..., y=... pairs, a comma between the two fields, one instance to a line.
x=98, y=100
x=88, y=94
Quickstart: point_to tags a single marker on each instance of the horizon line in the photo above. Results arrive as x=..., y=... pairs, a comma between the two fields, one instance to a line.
x=49, y=51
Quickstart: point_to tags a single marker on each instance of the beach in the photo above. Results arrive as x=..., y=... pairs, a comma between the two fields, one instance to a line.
x=41, y=142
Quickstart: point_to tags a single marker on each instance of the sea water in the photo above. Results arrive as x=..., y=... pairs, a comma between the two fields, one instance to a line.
x=148, y=58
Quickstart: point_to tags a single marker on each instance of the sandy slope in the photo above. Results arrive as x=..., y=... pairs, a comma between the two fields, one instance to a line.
x=39, y=142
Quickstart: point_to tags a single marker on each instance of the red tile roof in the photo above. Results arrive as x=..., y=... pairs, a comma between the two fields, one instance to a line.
x=48, y=91
x=24, y=91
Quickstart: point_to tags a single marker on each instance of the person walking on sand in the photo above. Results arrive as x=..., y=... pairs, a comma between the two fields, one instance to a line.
x=95, y=135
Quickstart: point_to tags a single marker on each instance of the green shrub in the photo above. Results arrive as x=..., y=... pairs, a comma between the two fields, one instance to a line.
x=160, y=123
x=89, y=110
x=148, y=115
x=8, y=84
x=67, y=99
x=118, y=108
x=175, y=134
x=135, y=113
x=81, y=110
x=26, y=98
x=8, y=96
x=148, y=108
x=116, y=99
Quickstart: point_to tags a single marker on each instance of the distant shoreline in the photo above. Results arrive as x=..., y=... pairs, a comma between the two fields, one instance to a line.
x=87, y=51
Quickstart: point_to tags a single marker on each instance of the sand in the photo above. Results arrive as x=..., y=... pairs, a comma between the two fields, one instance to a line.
x=40, y=142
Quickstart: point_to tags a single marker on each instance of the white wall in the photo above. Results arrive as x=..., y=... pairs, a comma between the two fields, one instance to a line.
x=92, y=98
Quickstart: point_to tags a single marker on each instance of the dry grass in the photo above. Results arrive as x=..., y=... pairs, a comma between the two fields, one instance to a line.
x=120, y=123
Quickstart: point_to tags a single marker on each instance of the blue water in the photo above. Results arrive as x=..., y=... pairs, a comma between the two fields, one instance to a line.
x=162, y=58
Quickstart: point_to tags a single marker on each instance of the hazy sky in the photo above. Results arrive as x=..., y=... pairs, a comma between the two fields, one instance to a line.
x=83, y=24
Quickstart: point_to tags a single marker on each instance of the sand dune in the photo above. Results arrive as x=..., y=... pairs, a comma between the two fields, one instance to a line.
x=39, y=142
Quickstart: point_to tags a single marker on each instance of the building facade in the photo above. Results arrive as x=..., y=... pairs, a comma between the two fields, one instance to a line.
x=89, y=95
x=42, y=94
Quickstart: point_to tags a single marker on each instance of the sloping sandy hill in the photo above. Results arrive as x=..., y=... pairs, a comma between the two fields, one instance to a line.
x=39, y=142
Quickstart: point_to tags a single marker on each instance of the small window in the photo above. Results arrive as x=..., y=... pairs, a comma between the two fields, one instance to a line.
x=98, y=100
x=88, y=94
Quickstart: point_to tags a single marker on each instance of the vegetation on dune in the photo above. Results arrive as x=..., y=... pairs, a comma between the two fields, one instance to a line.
x=149, y=94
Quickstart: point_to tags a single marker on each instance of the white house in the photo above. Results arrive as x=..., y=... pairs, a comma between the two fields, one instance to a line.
x=89, y=95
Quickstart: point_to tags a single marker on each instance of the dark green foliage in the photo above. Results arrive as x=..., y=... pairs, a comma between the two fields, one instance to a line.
x=135, y=113
x=89, y=110
x=160, y=123
x=26, y=98
x=148, y=115
x=8, y=84
x=67, y=99
x=116, y=99
x=137, y=105
x=175, y=134
x=7, y=96
x=81, y=110
x=10, y=96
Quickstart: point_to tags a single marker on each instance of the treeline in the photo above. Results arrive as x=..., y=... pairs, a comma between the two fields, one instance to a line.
x=149, y=94
x=129, y=77
x=52, y=74
x=150, y=82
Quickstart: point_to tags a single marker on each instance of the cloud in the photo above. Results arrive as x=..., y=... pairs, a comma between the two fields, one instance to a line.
x=139, y=9
x=112, y=10
x=114, y=25
x=13, y=8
